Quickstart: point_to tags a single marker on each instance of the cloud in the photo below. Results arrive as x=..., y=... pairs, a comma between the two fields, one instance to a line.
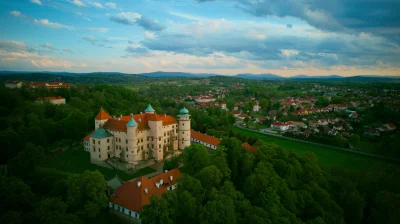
x=148, y=34
x=136, y=49
x=67, y=50
x=97, y=42
x=15, y=46
x=17, y=14
x=289, y=26
x=111, y=5
x=150, y=24
x=47, y=23
x=126, y=18
x=36, y=2
x=133, y=18
x=77, y=3
x=100, y=29
x=48, y=46
x=79, y=13
x=97, y=5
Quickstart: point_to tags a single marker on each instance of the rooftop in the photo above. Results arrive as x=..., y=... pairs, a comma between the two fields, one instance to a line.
x=205, y=138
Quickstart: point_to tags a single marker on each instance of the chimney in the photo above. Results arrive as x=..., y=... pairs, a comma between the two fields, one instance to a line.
x=139, y=183
x=165, y=171
x=121, y=116
x=161, y=181
x=157, y=185
x=171, y=177
x=141, y=112
x=140, y=119
x=145, y=190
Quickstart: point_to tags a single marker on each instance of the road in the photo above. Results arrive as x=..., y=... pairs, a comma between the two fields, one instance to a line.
x=328, y=146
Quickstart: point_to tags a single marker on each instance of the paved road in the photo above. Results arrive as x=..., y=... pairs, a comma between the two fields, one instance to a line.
x=328, y=146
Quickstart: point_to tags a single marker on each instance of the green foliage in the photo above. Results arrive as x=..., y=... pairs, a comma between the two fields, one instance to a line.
x=87, y=194
x=156, y=212
x=54, y=210
x=172, y=163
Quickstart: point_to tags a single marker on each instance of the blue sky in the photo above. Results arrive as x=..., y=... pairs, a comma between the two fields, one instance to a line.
x=284, y=37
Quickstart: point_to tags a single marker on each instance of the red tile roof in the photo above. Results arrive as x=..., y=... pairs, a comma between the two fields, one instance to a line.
x=133, y=196
x=50, y=98
x=205, y=138
x=102, y=115
x=119, y=123
x=88, y=136
x=250, y=149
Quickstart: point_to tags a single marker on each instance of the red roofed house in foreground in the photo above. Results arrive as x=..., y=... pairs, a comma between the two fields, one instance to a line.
x=132, y=196
x=13, y=84
x=249, y=148
x=56, y=100
x=138, y=137
x=206, y=140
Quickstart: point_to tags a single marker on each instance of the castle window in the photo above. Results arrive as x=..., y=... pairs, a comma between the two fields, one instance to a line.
x=126, y=149
x=159, y=146
x=99, y=149
x=164, y=134
x=159, y=138
x=127, y=141
x=164, y=141
x=93, y=141
x=99, y=156
x=119, y=147
x=94, y=149
x=183, y=124
x=98, y=142
x=108, y=147
x=126, y=156
x=142, y=147
x=119, y=140
x=152, y=145
x=147, y=146
x=108, y=140
x=141, y=140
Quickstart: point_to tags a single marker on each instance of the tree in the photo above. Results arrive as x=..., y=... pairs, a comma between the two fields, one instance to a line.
x=27, y=160
x=218, y=159
x=354, y=140
x=219, y=211
x=195, y=158
x=386, y=208
x=86, y=194
x=156, y=212
x=53, y=211
x=172, y=163
x=209, y=177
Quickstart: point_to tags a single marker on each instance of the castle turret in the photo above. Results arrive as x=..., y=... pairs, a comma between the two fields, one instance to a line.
x=101, y=118
x=184, y=129
x=149, y=110
x=131, y=137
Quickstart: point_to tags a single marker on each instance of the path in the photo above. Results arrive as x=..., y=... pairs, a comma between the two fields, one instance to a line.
x=328, y=146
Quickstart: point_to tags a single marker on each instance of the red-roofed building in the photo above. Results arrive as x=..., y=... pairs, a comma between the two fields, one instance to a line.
x=49, y=85
x=130, y=198
x=141, y=136
x=249, y=148
x=206, y=140
x=86, y=143
x=13, y=84
x=56, y=100
x=283, y=126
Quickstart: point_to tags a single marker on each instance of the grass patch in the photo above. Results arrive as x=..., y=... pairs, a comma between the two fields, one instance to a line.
x=326, y=156
x=131, y=88
x=77, y=160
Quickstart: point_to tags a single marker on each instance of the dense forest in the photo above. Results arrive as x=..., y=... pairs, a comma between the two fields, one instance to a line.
x=273, y=186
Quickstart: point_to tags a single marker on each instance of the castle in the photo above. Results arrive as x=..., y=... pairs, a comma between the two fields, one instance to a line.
x=138, y=137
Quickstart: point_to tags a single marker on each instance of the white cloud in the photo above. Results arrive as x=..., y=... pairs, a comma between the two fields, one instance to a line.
x=288, y=52
x=111, y=5
x=77, y=2
x=67, y=50
x=87, y=19
x=47, y=23
x=100, y=29
x=97, y=5
x=127, y=18
x=16, y=13
x=48, y=46
x=148, y=35
x=36, y=2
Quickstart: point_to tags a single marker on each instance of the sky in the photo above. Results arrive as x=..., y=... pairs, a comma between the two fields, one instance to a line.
x=283, y=37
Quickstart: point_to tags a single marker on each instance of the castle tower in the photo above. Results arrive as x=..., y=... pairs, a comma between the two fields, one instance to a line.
x=131, y=128
x=149, y=110
x=101, y=118
x=184, y=129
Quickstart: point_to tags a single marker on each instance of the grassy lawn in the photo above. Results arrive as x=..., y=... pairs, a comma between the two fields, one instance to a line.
x=77, y=160
x=326, y=156
x=130, y=88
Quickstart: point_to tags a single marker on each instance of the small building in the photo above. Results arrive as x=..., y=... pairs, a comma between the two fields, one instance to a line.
x=249, y=148
x=86, y=143
x=13, y=84
x=130, y=198
x=56, y=100
x=283, y=126
x=49, y=85
x=259, y=120
x=256, y=107
x=203, y=139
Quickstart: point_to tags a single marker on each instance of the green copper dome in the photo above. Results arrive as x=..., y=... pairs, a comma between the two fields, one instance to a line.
x=101, y=133
x=183, y=112
x=149, y=108
x=131, y=123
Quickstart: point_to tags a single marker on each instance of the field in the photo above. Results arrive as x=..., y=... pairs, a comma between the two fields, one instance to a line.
x=327, y=157
x=76, y=160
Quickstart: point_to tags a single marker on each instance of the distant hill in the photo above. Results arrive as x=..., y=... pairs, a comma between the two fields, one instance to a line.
x=316, y=77
x=175, y=74
x=259, y=76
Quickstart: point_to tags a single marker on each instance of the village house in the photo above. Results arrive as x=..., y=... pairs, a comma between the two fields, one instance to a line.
x=138, y=137
x=13, y=84
x=256, y=107
x=283, y=126
x=249, y=148
x=56, y=100
x=222, y=105
x=49, y=85
x=259, y=120
x=296, y=124
x=130, y=198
